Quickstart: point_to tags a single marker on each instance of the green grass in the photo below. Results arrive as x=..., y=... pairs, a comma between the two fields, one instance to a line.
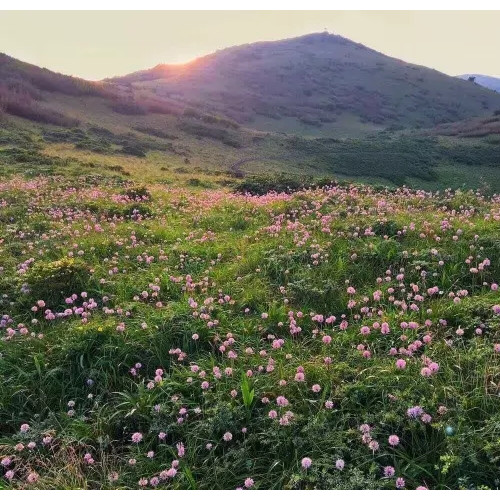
x=165, y=237
x=248, y=263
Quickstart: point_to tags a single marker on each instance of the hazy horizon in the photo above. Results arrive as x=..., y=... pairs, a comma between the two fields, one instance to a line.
x=101, y=44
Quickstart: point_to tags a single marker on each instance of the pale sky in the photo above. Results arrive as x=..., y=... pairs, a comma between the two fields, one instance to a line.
x=99, y=44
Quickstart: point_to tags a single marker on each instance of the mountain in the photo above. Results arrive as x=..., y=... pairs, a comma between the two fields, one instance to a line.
x=32, y=92
x=319, y=84
x=490, y=82
x=174, y=122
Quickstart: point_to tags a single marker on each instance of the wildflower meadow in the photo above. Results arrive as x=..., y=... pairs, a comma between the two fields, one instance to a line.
x=175, y=337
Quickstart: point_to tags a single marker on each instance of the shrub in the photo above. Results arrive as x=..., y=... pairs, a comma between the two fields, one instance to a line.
x=264, y=183
x=156, y=132
x=19, y=155
x=219, y=134
x=134, y=150
x=31, y=110
x=137, y=192
x=128, y=108
x=53, y=281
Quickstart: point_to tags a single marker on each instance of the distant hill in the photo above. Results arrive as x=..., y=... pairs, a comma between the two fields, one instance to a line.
x=31, y=92
x=315, y=83
x=490, y=82
x=471, y=127
x=347, y=112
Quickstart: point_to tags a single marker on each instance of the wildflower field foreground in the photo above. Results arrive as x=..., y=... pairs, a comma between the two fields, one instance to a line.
x=180, y=337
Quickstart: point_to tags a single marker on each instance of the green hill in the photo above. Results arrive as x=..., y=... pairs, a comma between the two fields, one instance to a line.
x=318, y=84
x=137, y=126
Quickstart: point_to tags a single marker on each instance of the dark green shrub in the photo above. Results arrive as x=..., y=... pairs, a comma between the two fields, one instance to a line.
x=134, y=150
x=53, y=281
x=137, y=192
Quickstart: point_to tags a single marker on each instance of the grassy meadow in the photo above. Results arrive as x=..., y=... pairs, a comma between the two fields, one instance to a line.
x=165, y=325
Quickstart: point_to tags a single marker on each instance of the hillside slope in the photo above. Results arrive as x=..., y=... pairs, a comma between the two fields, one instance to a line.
x=490, y=82
x=313, y=83
x=129, y=127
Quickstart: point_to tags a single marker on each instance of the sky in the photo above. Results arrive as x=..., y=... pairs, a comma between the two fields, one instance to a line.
x=100, y=44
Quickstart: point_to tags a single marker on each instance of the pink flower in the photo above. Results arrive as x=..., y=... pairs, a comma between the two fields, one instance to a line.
x=389, y=471
x=249, y=482
x=180, y=449
x=400, y=483
x=136, y=437
x=364, y=428
x=442, y=410
x=340, y=464
x=33, y=477
x=384, y=329
x=227, y=436
x=393, y=440
x=316, y=388
x=25, y=428
x=306, y=463
x=401, y=364
x=434, y=367
x=281, y=401
x=426, y=418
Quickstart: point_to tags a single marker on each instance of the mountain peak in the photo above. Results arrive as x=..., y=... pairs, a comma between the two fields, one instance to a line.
x=317, y=81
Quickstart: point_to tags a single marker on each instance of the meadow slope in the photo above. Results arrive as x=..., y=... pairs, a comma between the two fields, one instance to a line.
x=179, y=336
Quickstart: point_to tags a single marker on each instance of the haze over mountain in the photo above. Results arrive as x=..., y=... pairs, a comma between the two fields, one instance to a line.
x=322, y=81
x=490, y=82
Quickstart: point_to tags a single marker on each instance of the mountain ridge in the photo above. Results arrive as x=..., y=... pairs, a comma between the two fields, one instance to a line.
x=318, y=84
x=316, y=80
x=489, y=82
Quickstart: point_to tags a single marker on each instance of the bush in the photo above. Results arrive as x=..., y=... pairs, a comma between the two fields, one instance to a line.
x=264, y=183
x=19, y=155
x=156, y=132
x=128, y=108
x=31, y=110
x=137, y=192
x=134, y=150
x=56, y=280
x=219, y=134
